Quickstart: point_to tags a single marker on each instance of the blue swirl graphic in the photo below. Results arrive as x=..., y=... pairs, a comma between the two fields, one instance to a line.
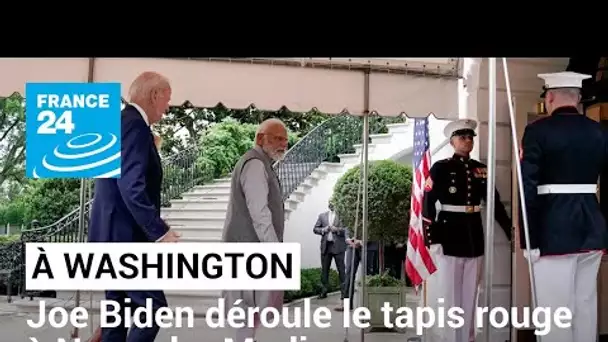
x=88, y=155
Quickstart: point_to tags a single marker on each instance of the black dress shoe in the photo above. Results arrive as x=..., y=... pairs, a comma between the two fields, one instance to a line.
x=322, y=296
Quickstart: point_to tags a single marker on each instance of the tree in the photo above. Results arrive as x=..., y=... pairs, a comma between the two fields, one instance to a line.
x=12, y=139
x=13, y=212
x=48, y=200
x=298, y=122
x=10, y=191
x=389, y=190
x=184, y=125
x=224, y=143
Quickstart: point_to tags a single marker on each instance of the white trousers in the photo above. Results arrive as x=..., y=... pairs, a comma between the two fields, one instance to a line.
x=570, y=281
x=433, y=291
x=459, y=277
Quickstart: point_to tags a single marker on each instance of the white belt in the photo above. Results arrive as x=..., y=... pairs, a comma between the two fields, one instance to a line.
x=567, y=189
x=460, y=208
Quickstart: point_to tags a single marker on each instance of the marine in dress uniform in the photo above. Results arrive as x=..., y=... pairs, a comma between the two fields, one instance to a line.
x=561, y=159
x=454, y=228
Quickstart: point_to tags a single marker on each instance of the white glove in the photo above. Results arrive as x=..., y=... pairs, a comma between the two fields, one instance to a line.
x=533, y=256
x=436, y=249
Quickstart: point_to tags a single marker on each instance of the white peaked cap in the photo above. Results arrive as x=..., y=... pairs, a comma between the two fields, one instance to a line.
x=565, y=79
x=459, y=125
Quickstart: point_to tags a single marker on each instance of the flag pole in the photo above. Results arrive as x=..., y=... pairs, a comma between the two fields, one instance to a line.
x=424, y=303
x=425, y=282
x=491, y=181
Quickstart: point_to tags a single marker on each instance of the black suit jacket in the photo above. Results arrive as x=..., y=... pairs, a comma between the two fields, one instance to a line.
x=339, y=241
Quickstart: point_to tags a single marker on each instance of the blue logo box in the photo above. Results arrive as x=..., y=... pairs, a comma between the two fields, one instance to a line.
x=72, y=130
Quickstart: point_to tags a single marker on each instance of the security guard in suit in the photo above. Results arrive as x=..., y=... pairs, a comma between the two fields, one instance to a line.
x=562, y=157
x=455, y=232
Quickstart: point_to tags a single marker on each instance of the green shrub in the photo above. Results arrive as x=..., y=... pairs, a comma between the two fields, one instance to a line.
x=48, y=200
x=13, y=212
x=223, y=144
x=9, y=238
x=310, y=280
x=383, y=280
x=389, y=191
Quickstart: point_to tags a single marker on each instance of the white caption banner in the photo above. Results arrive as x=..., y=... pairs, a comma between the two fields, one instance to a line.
x=183, y=266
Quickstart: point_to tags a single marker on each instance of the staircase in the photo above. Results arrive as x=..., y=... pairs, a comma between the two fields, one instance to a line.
x=199, y=215
x=198, y=211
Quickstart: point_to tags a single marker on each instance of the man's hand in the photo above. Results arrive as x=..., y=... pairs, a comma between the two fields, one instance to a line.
x=333, y=229
x=533, y=256
x=436, y=249
x=358, y=243
x=171, y=236
x=350, y=242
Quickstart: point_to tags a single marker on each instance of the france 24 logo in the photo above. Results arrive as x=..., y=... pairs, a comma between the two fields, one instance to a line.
x=72, y=130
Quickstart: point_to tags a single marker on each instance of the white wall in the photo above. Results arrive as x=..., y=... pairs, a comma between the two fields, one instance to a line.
x=302, y=220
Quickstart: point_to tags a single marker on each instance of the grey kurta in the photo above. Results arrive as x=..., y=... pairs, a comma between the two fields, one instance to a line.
x=255, y=214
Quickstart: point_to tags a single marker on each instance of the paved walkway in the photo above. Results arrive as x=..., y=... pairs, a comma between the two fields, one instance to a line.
x=14, y=328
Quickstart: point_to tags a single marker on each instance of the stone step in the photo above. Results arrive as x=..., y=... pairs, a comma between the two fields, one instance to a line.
x=297, y=195
x=399, y=127
x=197, y=203
x=208, y=221
x=212, y=186
x=206, y=196
x=350, y=158
x=331, y=167
x=382, y=138
x=312, y=181
x=194, y=239
x=359, y=148
x=291, y=203
x=170, y=213
x=319, y=173
x=211, y=190
x=296, y=167
x=305, y=187
x=198, y=232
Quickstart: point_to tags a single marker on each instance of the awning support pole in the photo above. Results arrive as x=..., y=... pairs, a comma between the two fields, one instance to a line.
x=83, y=201
x=520, y=185
x=364, y=190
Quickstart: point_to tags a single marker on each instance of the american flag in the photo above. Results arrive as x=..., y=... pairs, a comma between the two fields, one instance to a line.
x=419, y=264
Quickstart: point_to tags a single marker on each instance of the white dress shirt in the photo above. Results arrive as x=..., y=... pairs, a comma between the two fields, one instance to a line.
x=330, y=219
x=141, y=112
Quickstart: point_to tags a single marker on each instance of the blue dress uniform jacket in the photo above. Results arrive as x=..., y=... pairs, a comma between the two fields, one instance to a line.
x=563, y=148
x=459, y=182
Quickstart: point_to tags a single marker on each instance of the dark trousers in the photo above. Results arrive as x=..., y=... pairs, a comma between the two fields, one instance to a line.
x=351, y=270
x=138, y=299
x=326, y=259
x=373, y=266
x=394, y=258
